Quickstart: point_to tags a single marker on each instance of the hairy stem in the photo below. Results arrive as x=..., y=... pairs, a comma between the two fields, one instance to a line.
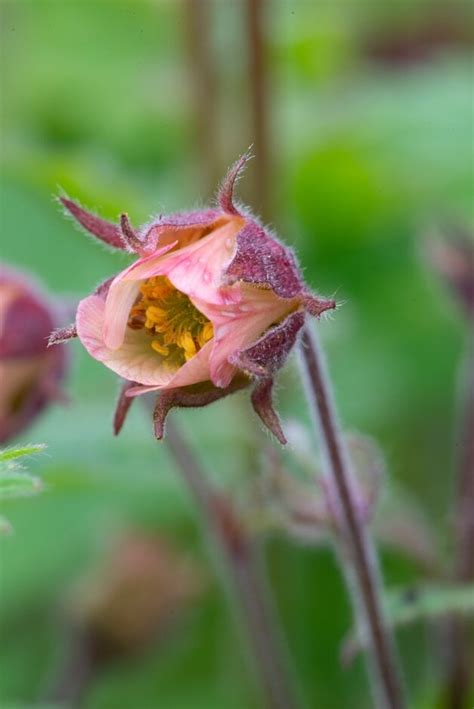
x=358, y=555
x=245, y=570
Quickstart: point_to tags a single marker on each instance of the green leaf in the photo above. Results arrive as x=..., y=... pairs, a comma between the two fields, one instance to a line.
x=412, y=604
x=427, y=603
x=16, y=484
x=10, y=454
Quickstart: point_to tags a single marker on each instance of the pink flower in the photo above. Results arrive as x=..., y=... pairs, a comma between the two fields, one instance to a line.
x=30, y=373
x=212, y=302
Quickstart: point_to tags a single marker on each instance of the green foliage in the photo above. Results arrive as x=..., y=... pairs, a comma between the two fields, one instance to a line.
x=428, y=603
x=12, y=454
x=14, y=482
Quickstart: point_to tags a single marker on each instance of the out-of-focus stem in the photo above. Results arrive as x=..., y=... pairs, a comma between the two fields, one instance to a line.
x=80, y=667
x=465, y=516
x=203, y=85
x=238, y=551
x=358, y=555
x=258, y=85
x=460, y=673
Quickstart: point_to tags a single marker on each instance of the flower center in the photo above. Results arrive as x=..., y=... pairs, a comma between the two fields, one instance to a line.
x=177, y=329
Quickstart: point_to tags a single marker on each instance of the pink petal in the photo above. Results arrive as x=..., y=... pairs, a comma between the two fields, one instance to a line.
x=238, y=325
x=197, y=269
x=134, y=360
x=117, y=310
x=193, y=371
x=122, y=294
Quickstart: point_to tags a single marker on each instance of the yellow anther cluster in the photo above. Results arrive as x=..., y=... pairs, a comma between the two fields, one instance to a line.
x=177, y=328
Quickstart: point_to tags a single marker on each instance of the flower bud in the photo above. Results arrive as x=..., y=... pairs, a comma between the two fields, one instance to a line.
x=30, y=373
x=133, y=597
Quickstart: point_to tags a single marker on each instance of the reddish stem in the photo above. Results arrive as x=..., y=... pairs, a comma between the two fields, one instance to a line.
x=358, y=557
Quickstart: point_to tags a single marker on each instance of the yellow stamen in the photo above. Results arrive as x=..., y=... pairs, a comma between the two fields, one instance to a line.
x=177, y=328
x=206, y=334
x=161, y=349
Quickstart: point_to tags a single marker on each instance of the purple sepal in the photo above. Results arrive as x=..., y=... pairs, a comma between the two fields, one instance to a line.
x=262, y=403
x=151, y=235
x=261, y=260
x=122, y=408
x=316, y=306
x=225, y=196
x=62, y=334
x=130, y=238
x=269, y=353
x=196, y=395
x=105, y=231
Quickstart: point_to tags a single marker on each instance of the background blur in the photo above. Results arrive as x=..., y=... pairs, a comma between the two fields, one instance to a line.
x=361, y=118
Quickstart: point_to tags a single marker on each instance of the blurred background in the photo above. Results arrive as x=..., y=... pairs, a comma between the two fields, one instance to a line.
x=361, y=120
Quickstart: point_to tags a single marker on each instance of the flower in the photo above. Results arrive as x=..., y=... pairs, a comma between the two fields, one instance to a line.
x=30, y=373
x=213, y=302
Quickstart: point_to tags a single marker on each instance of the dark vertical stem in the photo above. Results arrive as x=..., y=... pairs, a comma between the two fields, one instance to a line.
x=204, y=95
x=460, y=671
x=258, y=85
x=239, y=553
x=359, y=551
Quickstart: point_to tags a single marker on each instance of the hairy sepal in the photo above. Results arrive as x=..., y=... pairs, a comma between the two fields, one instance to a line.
x=260, y=259
x=151, y=235
x=122, y=407
x=105, y=231
x=193, y=396
x=225, y=196
x=262, y=402
x=62, y=334
x=266, y=356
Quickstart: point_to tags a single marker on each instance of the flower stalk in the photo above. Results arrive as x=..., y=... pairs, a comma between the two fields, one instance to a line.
x=240, y=555
x=358, y=554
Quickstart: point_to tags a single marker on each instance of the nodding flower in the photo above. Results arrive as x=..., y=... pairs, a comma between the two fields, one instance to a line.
x=213, y=303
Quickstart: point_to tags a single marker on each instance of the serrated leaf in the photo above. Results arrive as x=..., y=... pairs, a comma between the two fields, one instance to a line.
x=9, y=454
x=15, y=484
